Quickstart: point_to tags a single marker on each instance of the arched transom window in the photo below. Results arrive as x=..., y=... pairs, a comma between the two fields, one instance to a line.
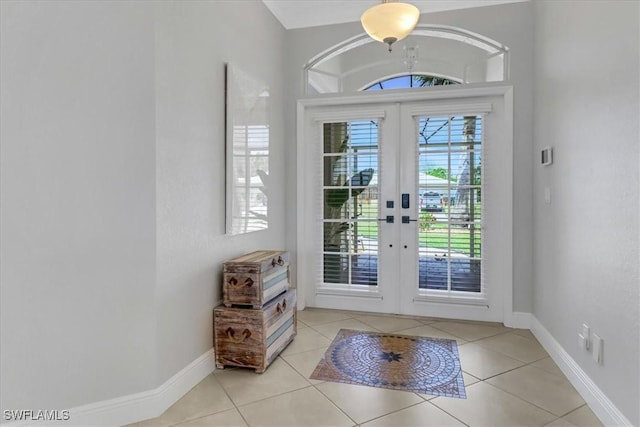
x=410, y=81
x=454, y=53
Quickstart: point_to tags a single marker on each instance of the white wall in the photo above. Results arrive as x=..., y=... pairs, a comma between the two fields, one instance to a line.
x=194, y=40
x=510, y=24
x=586, y=240
x=113, y=189
x=78, y=203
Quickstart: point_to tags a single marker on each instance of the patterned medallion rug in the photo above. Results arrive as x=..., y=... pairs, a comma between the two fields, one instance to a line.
x=399, y=362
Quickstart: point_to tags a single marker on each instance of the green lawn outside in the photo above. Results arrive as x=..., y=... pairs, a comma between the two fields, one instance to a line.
x=436, y=237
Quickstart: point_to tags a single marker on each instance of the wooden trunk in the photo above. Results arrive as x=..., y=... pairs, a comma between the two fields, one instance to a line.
x=253, y=338
x=256, y=278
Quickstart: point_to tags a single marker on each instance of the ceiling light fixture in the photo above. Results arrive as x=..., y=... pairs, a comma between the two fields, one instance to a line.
x=390, y=21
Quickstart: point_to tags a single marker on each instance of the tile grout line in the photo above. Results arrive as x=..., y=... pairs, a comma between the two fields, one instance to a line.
x=451, y=415
x=355, y=423
x=232, y=402
x=320, y=391
x=524, y=400
x=237, y=407
x=519, y=398
x=397, y=410
x=473, y=340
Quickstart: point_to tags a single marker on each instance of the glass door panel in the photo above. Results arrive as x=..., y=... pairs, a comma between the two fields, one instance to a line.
x=350, y=203
x=449, y=186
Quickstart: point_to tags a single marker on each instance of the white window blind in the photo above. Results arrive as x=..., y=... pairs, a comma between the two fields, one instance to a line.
x=449, y=156
x=350, y=209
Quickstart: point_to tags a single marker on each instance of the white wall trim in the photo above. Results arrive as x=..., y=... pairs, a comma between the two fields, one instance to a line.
x=405, y=95
x=148, y=404
x=599, y=403
x=507, y=290
x=139, y=406
x=518, y=320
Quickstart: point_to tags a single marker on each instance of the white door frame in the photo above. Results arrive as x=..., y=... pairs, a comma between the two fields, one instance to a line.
x=306, y=156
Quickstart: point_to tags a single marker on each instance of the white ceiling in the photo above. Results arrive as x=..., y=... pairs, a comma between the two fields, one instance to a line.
x=311, y=13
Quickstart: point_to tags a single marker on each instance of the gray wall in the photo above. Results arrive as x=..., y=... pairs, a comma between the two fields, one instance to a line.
x=510, y=24
x=194, y=39
x=78, y=202
x=112, y=191
x=112, y=181
x=586, y=241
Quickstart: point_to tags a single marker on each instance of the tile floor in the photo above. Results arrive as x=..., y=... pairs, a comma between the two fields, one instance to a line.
x=510, y=381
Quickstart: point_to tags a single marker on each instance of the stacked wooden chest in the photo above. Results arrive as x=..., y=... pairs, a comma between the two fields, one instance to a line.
x=258, y=317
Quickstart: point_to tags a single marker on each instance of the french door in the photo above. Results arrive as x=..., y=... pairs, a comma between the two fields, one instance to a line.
x=403, y=207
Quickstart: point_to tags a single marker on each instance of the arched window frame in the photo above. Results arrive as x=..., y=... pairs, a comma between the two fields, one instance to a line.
x=491, y=47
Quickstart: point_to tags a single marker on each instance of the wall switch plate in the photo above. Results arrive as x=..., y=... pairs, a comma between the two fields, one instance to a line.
x=598, y=349
x=546, y=156
x=581, y=341
x=586, y=335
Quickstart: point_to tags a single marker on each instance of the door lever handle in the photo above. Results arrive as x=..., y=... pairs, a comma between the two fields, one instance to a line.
x=388, y=219
x=407, y=220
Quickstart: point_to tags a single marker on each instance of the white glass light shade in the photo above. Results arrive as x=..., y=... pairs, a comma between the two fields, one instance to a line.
x=390, y=22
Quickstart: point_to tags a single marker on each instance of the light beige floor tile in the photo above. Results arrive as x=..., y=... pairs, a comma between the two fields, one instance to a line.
x=583, y=417
x=468, y=380
x=548, y=365
x=429, y=320
x=306, y=339
x=487, y=405
x=431, y=332
x=301, y=325
x=207, y=397
x=560, y=422
x=548, y=391
x=367, y=313
x=244, y=385
x=421, y=415
x=305, y=363
x=316, y=316
x=362, y=403
x=389, y=323
x=514, y=346
x=306, y=407
x=229, y=418
x=470, y=331
x=483, y=363
x=330, y=330
x=526, y=333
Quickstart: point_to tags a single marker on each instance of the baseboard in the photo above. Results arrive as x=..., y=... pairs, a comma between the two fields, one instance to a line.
x=599, y=403
x=148, y=404
x=519, y=320
x=139, y=406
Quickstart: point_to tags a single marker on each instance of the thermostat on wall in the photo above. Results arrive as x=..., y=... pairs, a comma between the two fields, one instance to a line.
x=546, y=156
